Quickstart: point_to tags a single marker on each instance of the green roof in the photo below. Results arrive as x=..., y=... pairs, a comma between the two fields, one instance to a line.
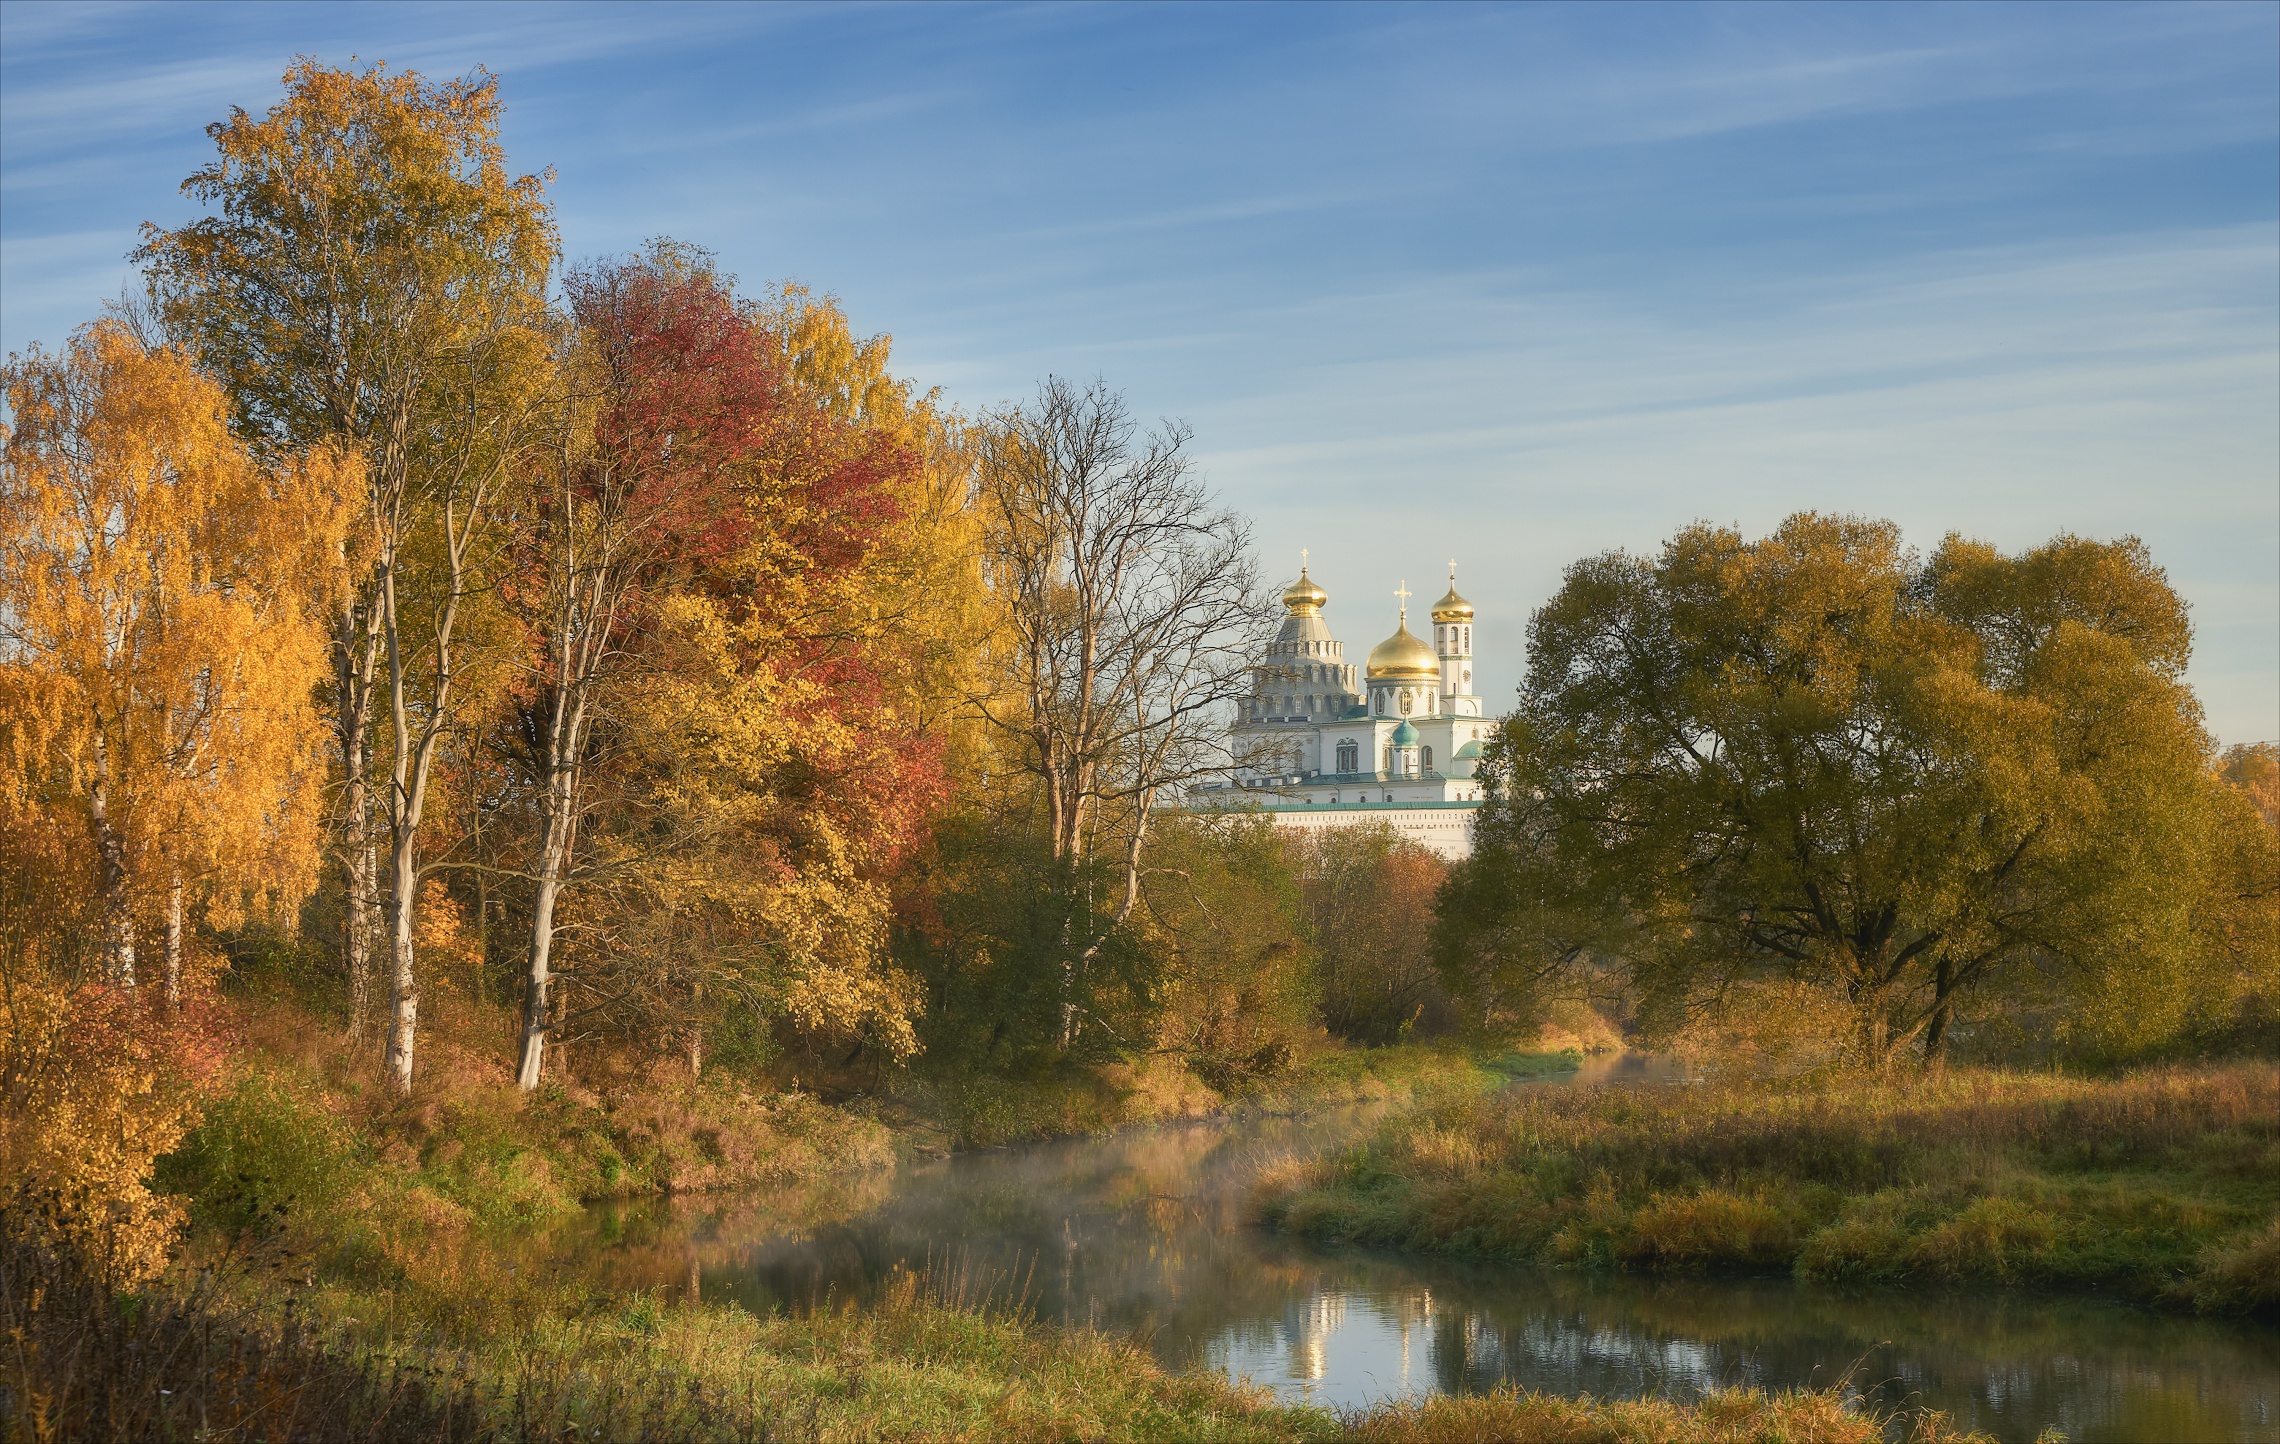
x=1405, y=736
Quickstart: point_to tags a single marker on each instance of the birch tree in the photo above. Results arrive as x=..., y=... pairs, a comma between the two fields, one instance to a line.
x=375, y=276
x=161, y=599
x=637, y=486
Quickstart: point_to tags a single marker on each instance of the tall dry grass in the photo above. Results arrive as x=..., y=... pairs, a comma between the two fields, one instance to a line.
x=246, y=1352
x=1740, y=1416
x=2166, y=1183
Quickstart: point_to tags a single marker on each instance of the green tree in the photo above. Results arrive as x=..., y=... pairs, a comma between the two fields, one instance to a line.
x=983, y=918
x=1223, y=909
x=1817, y=757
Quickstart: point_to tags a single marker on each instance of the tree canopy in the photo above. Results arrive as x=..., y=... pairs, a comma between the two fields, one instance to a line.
x=1818, y=757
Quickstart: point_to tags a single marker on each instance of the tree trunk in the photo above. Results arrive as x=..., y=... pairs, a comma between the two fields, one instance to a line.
x=111, y=875
x=353, y=680
x=565, y=734
x=538, y=984
x=403, y=979
x=412, y=767
x=358, y=869
x=1943, y=1012
x=174, y=942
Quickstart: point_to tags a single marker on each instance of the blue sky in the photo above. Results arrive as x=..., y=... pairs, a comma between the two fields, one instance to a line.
x=1510, y=284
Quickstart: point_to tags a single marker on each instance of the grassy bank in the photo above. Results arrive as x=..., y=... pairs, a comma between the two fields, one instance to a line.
x=296, y=1126
x=2163, y=1187
x=986, y=1112
x=245, y=1351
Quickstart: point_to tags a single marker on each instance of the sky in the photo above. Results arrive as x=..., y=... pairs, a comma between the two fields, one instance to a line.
x=1505, y=285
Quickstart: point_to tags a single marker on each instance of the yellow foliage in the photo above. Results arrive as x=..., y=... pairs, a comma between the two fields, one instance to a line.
x=735, y=756
x=92, y=1089
x=368, y=240
x=1773, y=1028
x=164, y=633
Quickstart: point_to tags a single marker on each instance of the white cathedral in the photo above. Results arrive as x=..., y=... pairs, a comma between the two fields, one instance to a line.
x=1320, y=749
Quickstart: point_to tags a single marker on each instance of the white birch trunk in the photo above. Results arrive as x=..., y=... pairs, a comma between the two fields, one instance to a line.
x=111, y=875
x=174, y=942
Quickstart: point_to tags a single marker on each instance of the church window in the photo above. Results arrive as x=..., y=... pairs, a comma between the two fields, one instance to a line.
x=1425, y=758
x=1468, y=639
x=1407, y=701
x=1348, y=757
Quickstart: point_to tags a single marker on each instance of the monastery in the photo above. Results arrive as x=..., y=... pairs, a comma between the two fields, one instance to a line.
x=1397, y=745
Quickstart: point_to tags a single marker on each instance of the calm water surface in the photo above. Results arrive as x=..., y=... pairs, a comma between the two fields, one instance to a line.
x=1144, y=1234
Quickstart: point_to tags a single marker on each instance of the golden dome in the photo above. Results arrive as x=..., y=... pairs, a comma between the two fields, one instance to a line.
x=1452, y=608
x=1403, y=657
x=1304, y=598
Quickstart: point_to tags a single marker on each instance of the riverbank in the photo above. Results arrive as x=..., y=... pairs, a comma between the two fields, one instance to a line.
x=946, y=1114
x=2163, y=1187
x=295, y=1126
x=243, y=1349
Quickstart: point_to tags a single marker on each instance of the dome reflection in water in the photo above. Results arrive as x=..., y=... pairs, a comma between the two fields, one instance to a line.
x=1145, y=1234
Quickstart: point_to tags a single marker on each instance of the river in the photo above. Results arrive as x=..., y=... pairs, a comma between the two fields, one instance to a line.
x=1144, y=1233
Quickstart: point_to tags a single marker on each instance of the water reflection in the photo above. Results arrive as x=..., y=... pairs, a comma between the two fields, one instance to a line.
x=1144, y=1234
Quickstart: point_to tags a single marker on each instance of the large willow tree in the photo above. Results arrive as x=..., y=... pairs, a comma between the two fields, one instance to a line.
x=1817, y=758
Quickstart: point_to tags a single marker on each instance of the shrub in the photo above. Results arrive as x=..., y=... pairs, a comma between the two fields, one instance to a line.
x=2242, y=1275
x=267, y=1147
x=94, y=1084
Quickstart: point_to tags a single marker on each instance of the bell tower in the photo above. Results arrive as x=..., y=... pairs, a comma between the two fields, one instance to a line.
x=1452, y=644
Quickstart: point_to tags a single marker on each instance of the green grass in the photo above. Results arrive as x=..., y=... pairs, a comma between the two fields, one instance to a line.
x=979, y=1111
x=471, y=1350
x=2164, y=1187
x=1535, y=1065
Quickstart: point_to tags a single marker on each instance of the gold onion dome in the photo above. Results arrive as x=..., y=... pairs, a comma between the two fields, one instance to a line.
x=1403, y=657
x=1304, y=598
x=1452, y=608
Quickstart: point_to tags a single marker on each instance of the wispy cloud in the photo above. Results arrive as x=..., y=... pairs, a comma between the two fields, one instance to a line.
x=1523, y=282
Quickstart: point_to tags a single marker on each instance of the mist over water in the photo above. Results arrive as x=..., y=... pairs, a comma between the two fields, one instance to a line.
x=1145, y=1233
